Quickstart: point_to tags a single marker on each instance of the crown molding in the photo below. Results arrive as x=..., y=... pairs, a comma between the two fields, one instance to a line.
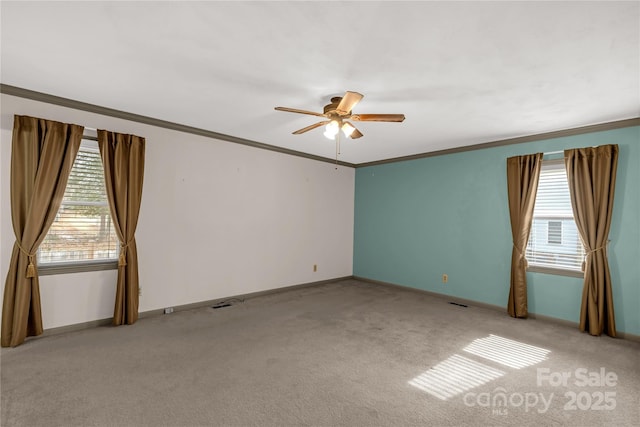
x=511, y=141
x=92, y=108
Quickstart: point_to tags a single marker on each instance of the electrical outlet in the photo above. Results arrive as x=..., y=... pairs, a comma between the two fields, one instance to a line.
x=168, y=310
x=445, y=278
x=315, y=267
x=139, y=291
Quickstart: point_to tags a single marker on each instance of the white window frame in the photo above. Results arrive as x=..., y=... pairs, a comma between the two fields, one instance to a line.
x=75, y=266
x=547, y=217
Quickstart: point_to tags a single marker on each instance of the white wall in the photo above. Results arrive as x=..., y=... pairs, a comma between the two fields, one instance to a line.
x=217, y=219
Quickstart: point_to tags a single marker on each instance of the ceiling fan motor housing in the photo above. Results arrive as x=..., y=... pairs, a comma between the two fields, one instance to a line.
x=331, y=108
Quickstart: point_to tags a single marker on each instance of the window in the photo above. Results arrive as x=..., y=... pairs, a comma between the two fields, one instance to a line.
x=554, y=233
x=82, y=236
x=554, y=242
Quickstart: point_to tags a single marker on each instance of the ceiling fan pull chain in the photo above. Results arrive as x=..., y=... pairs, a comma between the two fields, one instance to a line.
x=337, y=142
x=337, y=148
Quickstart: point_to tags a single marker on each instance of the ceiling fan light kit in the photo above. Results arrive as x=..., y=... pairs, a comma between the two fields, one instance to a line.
x=338, y=112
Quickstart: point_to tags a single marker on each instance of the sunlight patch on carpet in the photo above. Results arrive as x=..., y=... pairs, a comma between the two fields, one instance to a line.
x=454, y=376
x=507, y=352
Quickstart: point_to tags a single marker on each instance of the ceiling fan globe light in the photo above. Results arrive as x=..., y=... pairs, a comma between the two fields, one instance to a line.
x=347, y=129
x=332, y=129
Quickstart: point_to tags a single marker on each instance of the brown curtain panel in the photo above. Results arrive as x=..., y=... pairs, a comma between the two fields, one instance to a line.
x=523, y=173
x=42, y=154
x=123, y=161
x=591, y=173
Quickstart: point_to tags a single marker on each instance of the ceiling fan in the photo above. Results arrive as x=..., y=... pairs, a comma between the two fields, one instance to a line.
x=337, y=114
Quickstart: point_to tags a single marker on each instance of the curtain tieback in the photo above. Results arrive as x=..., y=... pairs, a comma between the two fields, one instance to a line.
x=31, y=268
x=122, y=259
x=584, y=261
x=522, y=257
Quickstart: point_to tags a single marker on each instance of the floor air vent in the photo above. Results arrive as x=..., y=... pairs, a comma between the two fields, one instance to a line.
x=458, y=304
x=220, y=305
x=227, y=303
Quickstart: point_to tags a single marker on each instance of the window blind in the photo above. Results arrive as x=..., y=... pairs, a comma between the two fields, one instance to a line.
x=82, y=230
x=554, y=241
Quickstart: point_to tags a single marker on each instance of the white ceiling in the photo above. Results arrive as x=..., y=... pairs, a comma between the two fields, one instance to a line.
x=463, y=73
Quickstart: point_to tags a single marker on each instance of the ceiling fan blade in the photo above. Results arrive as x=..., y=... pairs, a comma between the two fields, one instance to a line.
x=349, y=100
x=295, y=110
x=308, y=128
x=378, y=117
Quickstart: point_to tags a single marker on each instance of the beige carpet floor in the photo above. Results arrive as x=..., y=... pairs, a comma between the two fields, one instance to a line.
x=348, y=353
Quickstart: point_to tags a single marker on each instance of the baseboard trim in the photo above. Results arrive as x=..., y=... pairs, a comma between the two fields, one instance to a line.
x=76, y=327
x=184, y=307
x=434, y=294
x=630, y=337
x=247, y=296
x=449, y=298
x=472, y=303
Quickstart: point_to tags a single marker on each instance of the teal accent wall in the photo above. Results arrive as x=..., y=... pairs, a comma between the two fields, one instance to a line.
x=418, y=219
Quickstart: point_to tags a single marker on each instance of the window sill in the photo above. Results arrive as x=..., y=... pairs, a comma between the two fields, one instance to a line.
x=555, y=271
x=67, y=268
